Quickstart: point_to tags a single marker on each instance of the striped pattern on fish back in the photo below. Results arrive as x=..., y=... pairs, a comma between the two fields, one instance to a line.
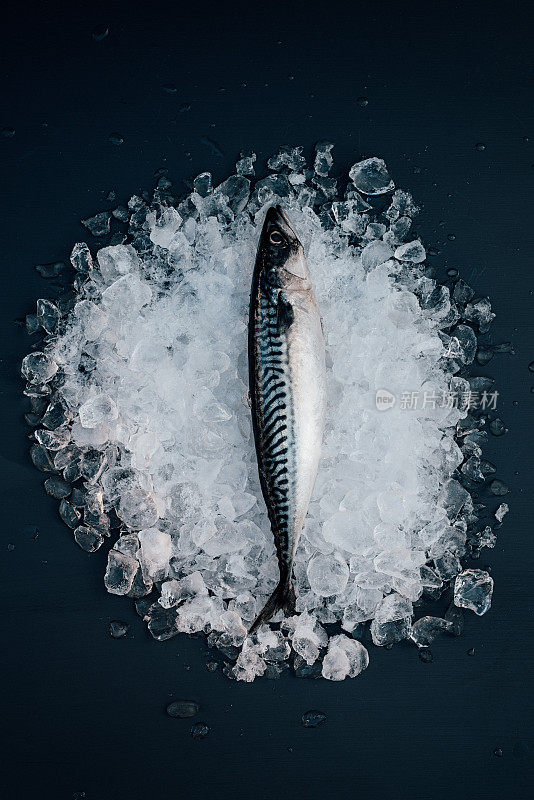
x=273, y=418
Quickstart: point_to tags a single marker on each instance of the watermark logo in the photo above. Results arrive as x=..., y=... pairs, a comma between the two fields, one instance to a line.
x=485, y=401
x=384, y=399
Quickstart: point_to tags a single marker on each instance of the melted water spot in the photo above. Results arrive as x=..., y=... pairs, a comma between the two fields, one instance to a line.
x=497, y=427
x=116, y=138
x=118, y=629
x=312, y=719
x=100, y=32
x=199, y=731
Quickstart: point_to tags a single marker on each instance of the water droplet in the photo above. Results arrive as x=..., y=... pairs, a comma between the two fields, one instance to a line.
x=10, y=546
x=451, y=237
x=116, y=138
x=498, y=488
x=100, y=32
x=181, y=709
x=531, y=366
x=312, y=719
x=362, y=101
x=497, y=427
x=118, y=629
x=452, y=272
x=515, y=402
x=425, y=655
x=525, y=139
x=498, y=752
x=200, y=730
x=8, y=133
x=480, y=146
x=471, y=651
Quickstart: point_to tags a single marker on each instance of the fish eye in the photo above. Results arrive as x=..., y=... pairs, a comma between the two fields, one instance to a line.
x=276, y=237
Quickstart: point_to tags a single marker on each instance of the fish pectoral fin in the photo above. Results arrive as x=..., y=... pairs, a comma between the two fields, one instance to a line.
x=284, y=312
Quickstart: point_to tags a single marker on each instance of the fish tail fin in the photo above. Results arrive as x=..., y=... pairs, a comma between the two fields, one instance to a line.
x=283, y=597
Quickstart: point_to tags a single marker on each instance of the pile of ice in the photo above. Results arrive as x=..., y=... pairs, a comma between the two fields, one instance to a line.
x=140, y=403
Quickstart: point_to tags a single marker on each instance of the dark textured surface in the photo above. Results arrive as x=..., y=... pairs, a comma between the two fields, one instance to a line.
x=84, y=712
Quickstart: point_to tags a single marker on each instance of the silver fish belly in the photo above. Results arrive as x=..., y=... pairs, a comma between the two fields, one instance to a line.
x=287, y=390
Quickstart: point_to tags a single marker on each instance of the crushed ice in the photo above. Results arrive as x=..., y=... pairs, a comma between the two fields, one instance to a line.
x=139, y=404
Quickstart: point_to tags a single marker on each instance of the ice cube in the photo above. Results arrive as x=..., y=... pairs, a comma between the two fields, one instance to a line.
x=307, y=636
x=165, y=229
x=462, y=292
x=479, y=311
x=81, y=258
x=425, y=630
x=88, y=538
x=328, y=574
x=289, y=158
x=120, y=572
x=345, y=658
x=392, y=621
x=323, y=158
x=98, y=225
x=98, y=409
x=137, y=508
x=155, y=552
x=486, y=538
x=411, y=251
x=376, y=253
x=48, y=315
x=245, y=165
x=126, y=295
x=473, y=590
x=371, y=177
x=447, y=566
x=90, y=318
x=57, y=487
x=117, y=261
x=38, y=367
x=236, y=189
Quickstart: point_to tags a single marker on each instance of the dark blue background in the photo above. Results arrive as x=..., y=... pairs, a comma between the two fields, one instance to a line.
x=84, y=712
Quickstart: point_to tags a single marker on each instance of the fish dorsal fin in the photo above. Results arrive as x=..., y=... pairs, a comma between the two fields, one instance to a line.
x=284, y=313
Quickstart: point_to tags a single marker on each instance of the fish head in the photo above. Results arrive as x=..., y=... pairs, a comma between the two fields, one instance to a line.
x=282, y=254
